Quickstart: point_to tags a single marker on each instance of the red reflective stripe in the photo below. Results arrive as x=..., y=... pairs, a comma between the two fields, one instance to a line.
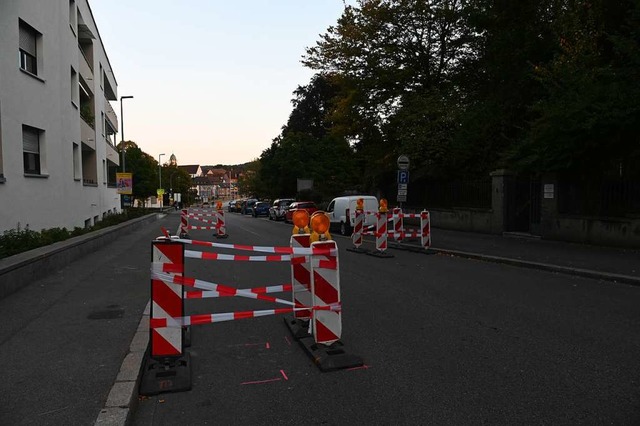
x=200, y=243
x=241, y=257
x=209, y=256
x=201, y=319
x=241, y=247
x=282, y=310
x=298, y=260
x=157, y=322
x=166, y=298
x=172, y=267
x=283, y=250
x=194, y=294
x=328, y=264
x=324, y=290
x=242, y=315
x=273, y=258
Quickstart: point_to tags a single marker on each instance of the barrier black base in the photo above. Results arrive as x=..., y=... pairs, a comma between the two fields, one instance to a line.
x=299, y=328
x=332, y=357
x=357, y=250
x=186, y=336
x=185, y=236
x=378, y=253
x=171, y=374
x=221, y=236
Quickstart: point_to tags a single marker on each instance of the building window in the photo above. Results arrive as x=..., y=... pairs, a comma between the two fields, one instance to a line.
x=27, y=51
x=75, y=89
x=76, y=162
x=31, y=149
x=72, y=16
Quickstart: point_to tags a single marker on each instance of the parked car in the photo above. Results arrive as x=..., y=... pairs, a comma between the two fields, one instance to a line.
x=342, y=212
x=279, y=208
x=247, y=205
x=231, y=206
x=309, y=206
x=238, y=205
x=261, y=208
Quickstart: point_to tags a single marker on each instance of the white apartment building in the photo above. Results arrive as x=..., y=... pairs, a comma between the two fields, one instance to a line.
x=57, y=127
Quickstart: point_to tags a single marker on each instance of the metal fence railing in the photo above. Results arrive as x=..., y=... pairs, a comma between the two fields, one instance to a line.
x=610, y=198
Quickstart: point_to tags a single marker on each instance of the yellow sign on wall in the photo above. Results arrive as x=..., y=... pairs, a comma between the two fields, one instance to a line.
x=160, y=192
x=125, y=183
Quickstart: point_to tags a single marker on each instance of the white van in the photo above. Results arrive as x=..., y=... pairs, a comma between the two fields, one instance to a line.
x=342, y=212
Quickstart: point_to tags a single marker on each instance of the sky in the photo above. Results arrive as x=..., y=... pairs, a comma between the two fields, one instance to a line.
x=212, y=80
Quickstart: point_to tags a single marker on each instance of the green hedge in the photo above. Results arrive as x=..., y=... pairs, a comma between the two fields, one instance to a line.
x=19, y=240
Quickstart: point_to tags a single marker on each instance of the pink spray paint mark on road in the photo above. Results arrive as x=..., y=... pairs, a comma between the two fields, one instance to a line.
x=259, y=382
x=284, y=375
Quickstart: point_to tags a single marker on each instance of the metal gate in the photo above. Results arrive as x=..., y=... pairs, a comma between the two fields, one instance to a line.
x=523, y=199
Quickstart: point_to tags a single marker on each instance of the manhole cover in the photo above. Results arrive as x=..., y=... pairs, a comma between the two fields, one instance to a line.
x=107, y=314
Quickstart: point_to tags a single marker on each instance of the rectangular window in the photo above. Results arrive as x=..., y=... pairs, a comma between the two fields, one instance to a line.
x=31, y=149
x=27, y=52
x=72, y=15
x=75, y=89
x=76, y=161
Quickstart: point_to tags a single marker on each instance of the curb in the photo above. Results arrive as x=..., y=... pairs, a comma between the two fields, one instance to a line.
x=123, y=396
x=587, y=273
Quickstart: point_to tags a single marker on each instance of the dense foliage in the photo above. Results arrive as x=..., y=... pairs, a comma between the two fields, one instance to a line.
x=464, y=87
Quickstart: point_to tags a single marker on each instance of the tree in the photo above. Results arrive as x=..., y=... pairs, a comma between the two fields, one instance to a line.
x=145, y=172
x=588, y=119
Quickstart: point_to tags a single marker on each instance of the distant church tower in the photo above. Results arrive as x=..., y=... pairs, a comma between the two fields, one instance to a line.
x=172, y=160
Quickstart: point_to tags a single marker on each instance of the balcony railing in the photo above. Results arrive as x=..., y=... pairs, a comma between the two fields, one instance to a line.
x=110, y=113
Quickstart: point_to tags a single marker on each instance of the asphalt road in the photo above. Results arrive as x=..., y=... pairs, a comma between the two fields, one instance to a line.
x=445, y=340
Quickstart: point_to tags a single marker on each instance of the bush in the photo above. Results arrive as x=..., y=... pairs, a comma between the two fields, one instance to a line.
x=18, y=240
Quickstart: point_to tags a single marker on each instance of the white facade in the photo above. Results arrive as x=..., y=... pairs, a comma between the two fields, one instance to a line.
x=57, y=169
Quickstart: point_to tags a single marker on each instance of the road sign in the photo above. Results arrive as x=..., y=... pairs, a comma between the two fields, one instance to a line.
x=403, y=162
x=402, y=186
x=402, y=192
x=401, y=198
x=403, y=176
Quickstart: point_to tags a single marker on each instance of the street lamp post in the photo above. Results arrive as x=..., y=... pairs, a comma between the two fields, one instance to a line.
x=122, y=132
x=160, y=177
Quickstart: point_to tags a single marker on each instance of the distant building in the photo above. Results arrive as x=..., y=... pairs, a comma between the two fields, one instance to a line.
x=58, y=158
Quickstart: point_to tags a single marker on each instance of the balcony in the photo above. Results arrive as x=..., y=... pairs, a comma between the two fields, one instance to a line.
x=110, y=113
x=86, y=70
x=87, y=135
x=112, y=154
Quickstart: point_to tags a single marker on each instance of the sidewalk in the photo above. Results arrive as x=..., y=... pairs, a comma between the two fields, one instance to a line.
x=608, y=263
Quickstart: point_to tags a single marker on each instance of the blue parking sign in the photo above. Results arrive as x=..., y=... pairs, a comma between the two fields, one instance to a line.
x=403, y=176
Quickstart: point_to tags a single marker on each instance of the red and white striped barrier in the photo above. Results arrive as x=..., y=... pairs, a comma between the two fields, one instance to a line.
x=381, y=232
x=220, y=226
x=167, y=299
x=356, y=237
x=261, y=249
x=184, y=223
x=195, y=294
x=425, y=225
x=398, y=231
x=325, y=289
x=301, y=275
x=205, y=255
x=205, y=285
x=178, y=322
x=398, y=225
